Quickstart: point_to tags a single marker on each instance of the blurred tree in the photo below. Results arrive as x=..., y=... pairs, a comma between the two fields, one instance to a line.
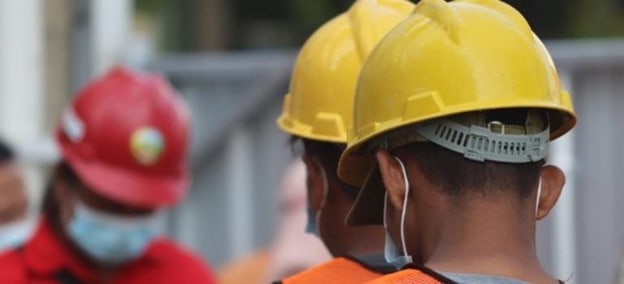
x=573, y=18
x=309, y=15
x=195, y=25
x=548, y=19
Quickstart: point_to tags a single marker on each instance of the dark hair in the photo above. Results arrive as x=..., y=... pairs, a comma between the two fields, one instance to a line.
x=458, y=175
x=50, y=205
x=328, y=154
x=6, y=153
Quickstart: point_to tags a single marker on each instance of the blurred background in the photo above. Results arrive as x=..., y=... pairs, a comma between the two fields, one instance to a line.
x=231, y=60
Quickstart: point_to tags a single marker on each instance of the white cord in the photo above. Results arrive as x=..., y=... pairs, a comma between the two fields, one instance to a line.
x=404, y=211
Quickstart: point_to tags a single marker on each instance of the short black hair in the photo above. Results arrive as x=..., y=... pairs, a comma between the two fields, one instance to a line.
x=328, y=154
x=63, y=170
x=6, y=152
x=458, y=176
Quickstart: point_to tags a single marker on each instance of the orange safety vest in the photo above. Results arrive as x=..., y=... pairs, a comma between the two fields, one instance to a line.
x=338, y=270
x=411, y=275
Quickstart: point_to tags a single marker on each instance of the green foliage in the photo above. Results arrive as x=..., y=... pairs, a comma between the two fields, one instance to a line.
x=308, y=15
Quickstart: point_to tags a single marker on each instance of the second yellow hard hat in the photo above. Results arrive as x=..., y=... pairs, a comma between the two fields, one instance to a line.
x=320, y=99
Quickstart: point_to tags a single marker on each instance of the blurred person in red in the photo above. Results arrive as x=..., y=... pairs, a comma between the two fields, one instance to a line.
x=293, y=250
x=124, y=142
x=15, y=224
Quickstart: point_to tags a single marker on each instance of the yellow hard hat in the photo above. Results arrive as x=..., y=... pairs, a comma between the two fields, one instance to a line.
x=447, y=59
x=320, y=100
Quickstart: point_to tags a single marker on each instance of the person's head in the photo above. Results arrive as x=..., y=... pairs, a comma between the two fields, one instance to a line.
x=460, y=117
x=444, y=185
x=13, y=195
x=318, y=109
x=329, y=201
x=15, y=226
x=123, y=142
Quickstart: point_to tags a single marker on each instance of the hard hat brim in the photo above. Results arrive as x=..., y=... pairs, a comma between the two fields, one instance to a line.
x=354, y=163
x=368, y=206
x=124, y=186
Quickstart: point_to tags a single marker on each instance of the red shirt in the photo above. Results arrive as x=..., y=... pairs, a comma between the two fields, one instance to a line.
x=45, y=260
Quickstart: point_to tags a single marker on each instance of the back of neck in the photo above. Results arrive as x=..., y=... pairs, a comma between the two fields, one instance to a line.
x=489, y=238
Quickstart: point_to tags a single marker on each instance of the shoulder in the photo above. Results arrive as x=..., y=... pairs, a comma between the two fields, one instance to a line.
x=413, y=274
x=12, y=267
x=173, y=260
x=338, y=270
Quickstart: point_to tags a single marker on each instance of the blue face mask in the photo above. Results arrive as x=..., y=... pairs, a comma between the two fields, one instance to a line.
x=109, y=238
x=311, y=224
x=15, y=234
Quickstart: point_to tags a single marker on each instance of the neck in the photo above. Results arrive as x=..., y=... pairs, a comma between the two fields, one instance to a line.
x=491, y=237
x=344, y=240
x=365, y=241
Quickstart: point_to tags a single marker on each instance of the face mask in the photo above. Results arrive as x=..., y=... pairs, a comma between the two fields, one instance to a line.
x=15, y=234
x=311, y=223
x=391, y=252
x=313, y=218
x=109, y=238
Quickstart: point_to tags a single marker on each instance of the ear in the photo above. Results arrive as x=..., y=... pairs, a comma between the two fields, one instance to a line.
x=392, y=177
x=553, y=180
x=314, y=182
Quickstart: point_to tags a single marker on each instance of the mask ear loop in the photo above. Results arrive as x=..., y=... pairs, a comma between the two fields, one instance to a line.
x=325, y=183
x=404, y=211
x=539, y=193
x=325, y=193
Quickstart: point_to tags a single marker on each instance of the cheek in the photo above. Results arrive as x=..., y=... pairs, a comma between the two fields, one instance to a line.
x=393, y=223
x=315, y=191
x=412, y=223
x=66, y=211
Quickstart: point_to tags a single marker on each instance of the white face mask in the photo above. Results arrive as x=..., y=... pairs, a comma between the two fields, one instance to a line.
x=391, y=252
x=15, y=234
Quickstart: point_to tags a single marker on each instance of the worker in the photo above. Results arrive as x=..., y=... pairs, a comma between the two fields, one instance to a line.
x=123, y=143
x=317, y=112
x=453, y=117
x=16, y=225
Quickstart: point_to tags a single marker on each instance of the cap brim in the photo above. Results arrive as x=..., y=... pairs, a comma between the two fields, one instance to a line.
x=368, y=206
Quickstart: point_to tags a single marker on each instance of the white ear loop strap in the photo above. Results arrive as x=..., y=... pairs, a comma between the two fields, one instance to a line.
x=404, y=210
x=539, y=193
x=319, y=212
x=325, y=183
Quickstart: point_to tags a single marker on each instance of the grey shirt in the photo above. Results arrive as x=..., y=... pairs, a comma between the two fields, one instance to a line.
x=463, y=278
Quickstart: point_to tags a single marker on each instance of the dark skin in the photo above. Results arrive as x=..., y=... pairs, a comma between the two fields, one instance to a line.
x=14, y=202
x=66, y=193
x=340, y=239
x=491, y=235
